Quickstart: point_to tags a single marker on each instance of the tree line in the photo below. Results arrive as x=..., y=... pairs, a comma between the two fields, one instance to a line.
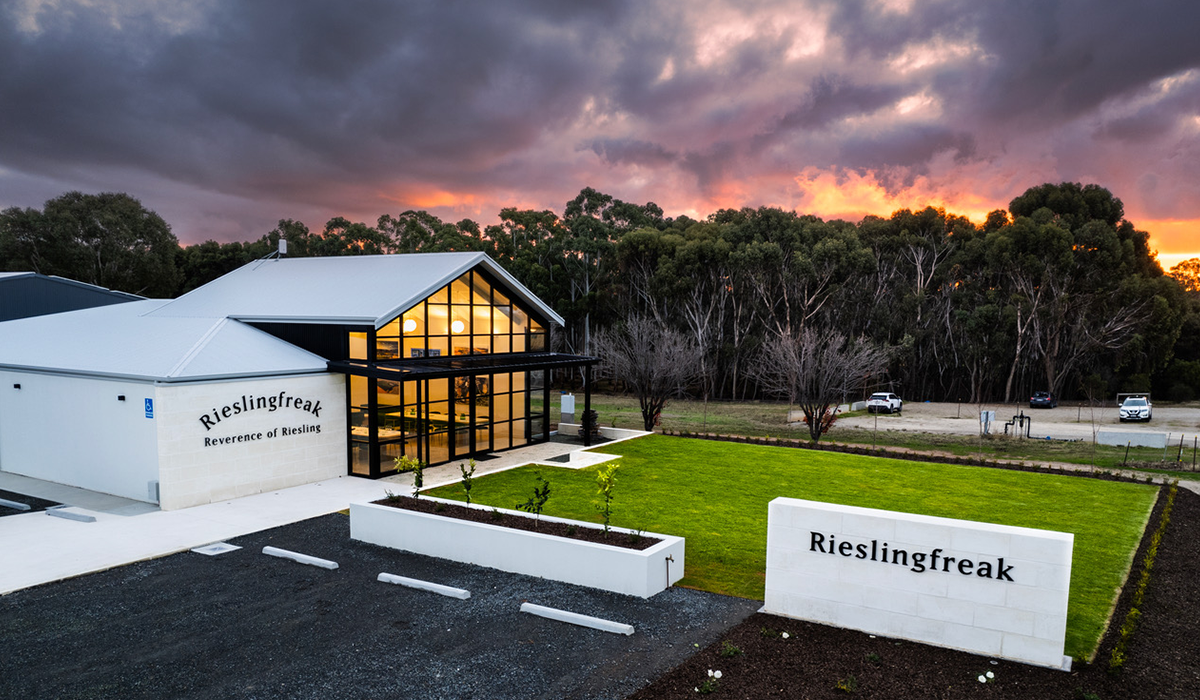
x=1059, y=292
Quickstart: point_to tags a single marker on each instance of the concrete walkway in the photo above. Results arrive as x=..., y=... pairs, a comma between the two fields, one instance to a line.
x=36, y=548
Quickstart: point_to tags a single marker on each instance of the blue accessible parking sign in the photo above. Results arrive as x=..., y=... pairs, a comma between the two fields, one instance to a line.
x=149, y=408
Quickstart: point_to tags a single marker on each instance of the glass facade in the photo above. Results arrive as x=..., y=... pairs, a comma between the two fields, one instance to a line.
x=446, y=418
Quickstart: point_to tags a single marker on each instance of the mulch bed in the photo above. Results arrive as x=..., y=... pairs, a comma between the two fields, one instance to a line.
x=516, y=522
x=1163, y=656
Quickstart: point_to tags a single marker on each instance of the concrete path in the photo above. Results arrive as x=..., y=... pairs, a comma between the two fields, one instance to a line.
x=36, y=548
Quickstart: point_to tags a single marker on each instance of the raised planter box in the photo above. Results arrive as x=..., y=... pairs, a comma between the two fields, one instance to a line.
x=632, y=572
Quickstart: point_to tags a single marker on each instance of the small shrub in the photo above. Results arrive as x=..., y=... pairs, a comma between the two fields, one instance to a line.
x=439, y=507
x=468, y=477
x=391, y=497
x=537, y=501
x=729, y=649
x=571, y=530
x=874, y=658
x=606, y=480
x=849, y=684
x=496, y=515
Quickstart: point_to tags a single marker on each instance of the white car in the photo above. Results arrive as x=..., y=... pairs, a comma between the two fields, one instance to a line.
x=1136, y=408
x=884, y=403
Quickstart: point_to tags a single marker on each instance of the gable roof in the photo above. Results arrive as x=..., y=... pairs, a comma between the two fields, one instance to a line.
x=123, y=341
x=354, y=290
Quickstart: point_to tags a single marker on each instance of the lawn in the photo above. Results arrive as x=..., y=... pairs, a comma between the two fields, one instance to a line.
x=715, y=494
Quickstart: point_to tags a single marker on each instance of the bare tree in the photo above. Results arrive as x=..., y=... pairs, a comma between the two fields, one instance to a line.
x=817, y=370
x=653, y=361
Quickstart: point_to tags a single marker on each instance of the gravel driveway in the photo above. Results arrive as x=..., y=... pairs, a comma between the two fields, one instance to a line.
x=1068, y=422
x=244, y=625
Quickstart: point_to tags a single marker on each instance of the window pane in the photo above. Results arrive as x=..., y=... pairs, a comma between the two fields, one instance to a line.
x=518, y=381
x=536, y=327
x=439, y=448
x=483, y=437
x=438, y=347
x=499, y=299
x=481, y=291
x=390, y=330
x=518, y=406
x=520, y=320
x=518, y=343
x=537, y=342
x=501, y=383
x=358, y=346
x=502, y=319
x=438, y=390
x=519, y=436
x=387, y=348
x=460, y=291
x=501, y=343
x=460, y=319
x=360, y=459
x=500, y=410
x=439, y=319
x=460, y=345
x=388, y=452
x=414, y=320
x=501, y=436
x=414, y=347
x=482, y=315
x=462, y=441
x=410, y=394
x=441, y=296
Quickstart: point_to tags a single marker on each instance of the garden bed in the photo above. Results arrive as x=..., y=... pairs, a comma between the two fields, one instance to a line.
x=570, y=559
x=546, y=526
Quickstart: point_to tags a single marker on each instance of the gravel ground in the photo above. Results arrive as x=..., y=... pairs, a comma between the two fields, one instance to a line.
x=1068, y=422
x=244, y=625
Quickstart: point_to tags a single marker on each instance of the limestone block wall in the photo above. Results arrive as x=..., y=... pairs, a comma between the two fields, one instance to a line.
x=224, y=440
x=989, y=589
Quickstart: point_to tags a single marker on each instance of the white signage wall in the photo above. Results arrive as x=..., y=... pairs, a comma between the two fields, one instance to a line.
x=225, y=440
x=989, y=589
x=85, y=432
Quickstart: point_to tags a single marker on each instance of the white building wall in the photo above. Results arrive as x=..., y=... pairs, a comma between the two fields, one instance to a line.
x=193, y=472
x=74, y=430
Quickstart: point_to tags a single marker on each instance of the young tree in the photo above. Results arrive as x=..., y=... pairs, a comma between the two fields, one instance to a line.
x=817, y=370
x=653, y=361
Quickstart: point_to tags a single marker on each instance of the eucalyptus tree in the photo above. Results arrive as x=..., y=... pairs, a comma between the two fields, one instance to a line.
x=106, y=239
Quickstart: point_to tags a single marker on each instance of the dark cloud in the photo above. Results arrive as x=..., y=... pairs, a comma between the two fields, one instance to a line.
x=262, y=109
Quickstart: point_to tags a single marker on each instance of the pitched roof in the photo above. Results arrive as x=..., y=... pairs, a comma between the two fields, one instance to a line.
x=360, y=289
x=123, y=341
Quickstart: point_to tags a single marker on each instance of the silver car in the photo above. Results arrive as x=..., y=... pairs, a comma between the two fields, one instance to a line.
x=1136, y=408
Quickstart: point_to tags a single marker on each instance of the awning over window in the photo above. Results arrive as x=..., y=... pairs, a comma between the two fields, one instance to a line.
x=459, y=365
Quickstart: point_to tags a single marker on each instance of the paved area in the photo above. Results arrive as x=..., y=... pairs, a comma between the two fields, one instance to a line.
x=38, y=549
x=245, y=625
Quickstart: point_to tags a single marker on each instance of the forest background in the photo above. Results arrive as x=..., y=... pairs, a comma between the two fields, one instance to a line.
x=1060, y=292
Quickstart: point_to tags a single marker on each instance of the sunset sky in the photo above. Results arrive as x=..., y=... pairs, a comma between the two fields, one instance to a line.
x=227, y=115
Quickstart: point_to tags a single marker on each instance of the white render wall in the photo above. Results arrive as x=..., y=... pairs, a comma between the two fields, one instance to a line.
x=192, y=473
x=74, y=431
x=1024, y=619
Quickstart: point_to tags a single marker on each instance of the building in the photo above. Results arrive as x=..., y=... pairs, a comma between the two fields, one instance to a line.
x=25, y=294
x=283, y=372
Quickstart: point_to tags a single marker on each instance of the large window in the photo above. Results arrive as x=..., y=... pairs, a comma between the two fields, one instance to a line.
x=470, y=316
x=447, y=418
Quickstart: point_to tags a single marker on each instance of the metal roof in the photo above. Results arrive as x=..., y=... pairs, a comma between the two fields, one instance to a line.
x=353, y=289
x=124, y=341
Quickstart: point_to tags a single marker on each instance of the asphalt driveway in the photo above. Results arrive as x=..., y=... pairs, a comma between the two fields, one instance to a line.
x=244, y=625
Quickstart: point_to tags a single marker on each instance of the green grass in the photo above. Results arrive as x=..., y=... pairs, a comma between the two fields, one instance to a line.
x=760, y=418
x=715, y=494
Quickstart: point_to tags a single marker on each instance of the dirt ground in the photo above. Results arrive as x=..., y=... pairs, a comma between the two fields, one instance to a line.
x=1066, y=422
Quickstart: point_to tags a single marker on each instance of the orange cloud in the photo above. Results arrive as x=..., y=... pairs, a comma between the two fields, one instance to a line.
x=1176, y=239
x=854, y=195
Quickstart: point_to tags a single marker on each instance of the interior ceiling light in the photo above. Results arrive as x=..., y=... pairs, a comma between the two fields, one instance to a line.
x=457, y=326
x=410, y=325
